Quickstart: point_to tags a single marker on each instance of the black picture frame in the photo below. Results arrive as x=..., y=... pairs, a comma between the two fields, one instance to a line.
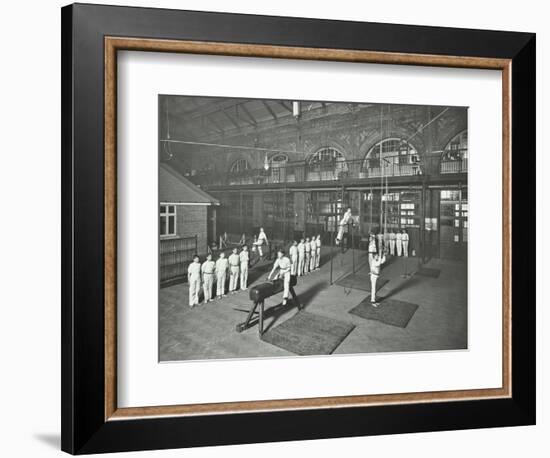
x=84, y=428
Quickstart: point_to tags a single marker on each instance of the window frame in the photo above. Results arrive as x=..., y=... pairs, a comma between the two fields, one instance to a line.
x=167, y=214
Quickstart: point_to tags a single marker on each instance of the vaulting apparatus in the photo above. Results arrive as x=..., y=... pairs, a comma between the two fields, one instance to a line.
x=258, y=295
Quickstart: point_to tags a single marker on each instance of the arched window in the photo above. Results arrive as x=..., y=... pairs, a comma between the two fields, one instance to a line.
x=455, y=156
x=277, y=168
x=240, y=165
x=326, y=163
x=238, y=173
x=392, y=157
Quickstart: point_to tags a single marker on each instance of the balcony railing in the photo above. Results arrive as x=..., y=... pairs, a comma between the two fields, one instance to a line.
x=299, y=172
x=454, y=161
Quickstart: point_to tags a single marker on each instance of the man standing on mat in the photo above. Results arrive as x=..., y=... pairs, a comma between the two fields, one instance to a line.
x=301, y=257
x=283, y=264
x=194, y=280
x=373, y=248
x=208, y=268
x=244, y=259
x=234, y=262
x=294, y=258
x=221, y=272
x=377, y=262
x=380, y=238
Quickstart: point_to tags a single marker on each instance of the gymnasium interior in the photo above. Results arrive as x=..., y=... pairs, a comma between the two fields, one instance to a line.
x=230, y=166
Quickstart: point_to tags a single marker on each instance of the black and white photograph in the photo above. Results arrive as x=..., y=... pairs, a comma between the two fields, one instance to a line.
x=309, y=228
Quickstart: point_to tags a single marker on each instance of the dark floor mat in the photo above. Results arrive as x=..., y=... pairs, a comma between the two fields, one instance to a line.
x=360, y=281
x=428, y=272
x=390, y=311
x=308, y=334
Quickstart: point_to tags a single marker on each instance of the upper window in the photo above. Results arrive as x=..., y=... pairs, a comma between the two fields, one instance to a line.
x=240, y=165
x=458, y=143
x=326, y=164
x=167, y=220
x=279, y=160
x=392, y=157
x=455, y=156
x=327, y=156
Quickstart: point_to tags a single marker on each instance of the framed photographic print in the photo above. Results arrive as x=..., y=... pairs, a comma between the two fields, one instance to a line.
x=283, y=228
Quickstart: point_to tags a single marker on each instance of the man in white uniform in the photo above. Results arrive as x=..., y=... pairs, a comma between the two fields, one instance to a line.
x=307, y=249
x=377, y=262
x=283, y=264
x=392, y=243
x=294, y=258
x=208, y=269
x=373, y=247
x=318, y=255
x=313, y=259
x=381, y=246
x=244, y=258
x=234, y=262
x=194, y=280
x=301, y=257
x=262, y=240
x=342, y=224
x=221, y=272
x=405, y=243
x=386, y=242
x=398, y=242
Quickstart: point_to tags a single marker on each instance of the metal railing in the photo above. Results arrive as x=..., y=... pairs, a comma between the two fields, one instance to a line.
x=175, y=256
x=454, y=161
x=299, y=172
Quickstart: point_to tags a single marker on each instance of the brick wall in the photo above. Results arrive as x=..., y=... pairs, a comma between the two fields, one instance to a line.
x=191, y=221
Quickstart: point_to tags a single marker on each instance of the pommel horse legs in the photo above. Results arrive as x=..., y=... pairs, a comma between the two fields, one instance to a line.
x=258, y=295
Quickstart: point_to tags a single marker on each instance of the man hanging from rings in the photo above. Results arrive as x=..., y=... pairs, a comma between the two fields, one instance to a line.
x=342, y=224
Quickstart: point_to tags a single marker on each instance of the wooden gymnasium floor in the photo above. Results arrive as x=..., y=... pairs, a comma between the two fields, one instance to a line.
x=208, y=331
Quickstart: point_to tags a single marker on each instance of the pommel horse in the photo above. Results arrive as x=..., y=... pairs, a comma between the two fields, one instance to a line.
x=258, y=295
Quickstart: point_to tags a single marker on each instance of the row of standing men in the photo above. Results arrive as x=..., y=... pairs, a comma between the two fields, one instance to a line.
x=305, y=257
x=391, y=242
x=236, y=265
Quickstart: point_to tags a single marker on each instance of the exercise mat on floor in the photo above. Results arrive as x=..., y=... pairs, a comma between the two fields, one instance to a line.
x=308, y=334
x=428, y=272
x=390, y=311
x=359, y=281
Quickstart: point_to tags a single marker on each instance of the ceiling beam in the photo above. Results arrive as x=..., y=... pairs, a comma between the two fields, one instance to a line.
x=247, y=113
x=231, y=118
x=284, y=105
x=218, y=128
x=269, y=109
x=206, y=109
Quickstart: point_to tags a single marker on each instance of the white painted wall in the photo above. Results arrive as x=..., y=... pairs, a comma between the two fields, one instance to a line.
x=30, y=291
